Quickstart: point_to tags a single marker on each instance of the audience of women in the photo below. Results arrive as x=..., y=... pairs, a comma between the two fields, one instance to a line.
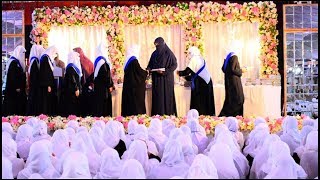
x=106, y=152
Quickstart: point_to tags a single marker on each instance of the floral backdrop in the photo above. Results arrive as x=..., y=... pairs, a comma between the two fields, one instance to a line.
x=246, y=124
x=191, y=15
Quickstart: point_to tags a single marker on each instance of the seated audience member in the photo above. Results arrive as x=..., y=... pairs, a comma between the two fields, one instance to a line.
x=132, y=169
x=111, y=165
x=172, y=163
x=78, y=169
x=309, y=157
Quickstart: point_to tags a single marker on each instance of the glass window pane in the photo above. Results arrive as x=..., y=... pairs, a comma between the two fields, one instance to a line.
x=18, y=29
x=289, y=19
x=297, y=9
x=306, y=36
x=314, y=44
x=290, y=54
x=307, y=45
x=307, y=54
x=289, y=10
x=290, y=37
x=289, y=25
x=314, y=10
x=298, y=54
x=314, y=25
x=298, y=36
x=315, y=54
x=298, y=45
x=10, y=44
x=297, y=18
x=290, y=44
x=306, y=10
x=17, y=41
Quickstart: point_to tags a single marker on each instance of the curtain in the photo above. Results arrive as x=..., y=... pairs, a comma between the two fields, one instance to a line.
x=144, y=35
x=68, y=37
x=219, y=37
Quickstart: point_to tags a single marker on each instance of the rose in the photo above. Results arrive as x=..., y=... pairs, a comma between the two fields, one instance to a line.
x=72, y=117
x=43, y=117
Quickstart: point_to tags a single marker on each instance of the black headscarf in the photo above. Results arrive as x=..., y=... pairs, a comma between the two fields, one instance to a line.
x=161, y=49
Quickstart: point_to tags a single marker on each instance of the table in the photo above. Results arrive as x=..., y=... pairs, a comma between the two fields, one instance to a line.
x=260, y=100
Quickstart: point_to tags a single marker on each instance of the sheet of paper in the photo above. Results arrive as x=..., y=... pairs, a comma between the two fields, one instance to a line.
x=159, y=69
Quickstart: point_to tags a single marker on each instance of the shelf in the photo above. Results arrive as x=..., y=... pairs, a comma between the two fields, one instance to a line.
x=301, y=93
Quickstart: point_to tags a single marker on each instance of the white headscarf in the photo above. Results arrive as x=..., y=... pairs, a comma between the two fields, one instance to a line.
x=315, y=125
x=9, y=150
x=83, y=143
x=40, y=131
x=39, y=151
x=187, y=148
x=132, y=169
x=35, y=176
x=111, y=165
x=23, y=139
x=96, y=135
x=233, y=126
x=74, y=58
x=262, y=156
x=186, y=130
x=258, y=128
x=51, y=52
x=76, y=169
x=18, y=53
x=6, y=127
x=221, y=155
x=73, y=124
x=255, y=143
x=155, y=134
x=134, y=50
x=196, y=62
x=202, y=168
x=259, y=120
x=291, y=134
x=175, y=133
x=60, y=142
x=276, y=150
x=71, y=133
x=151, y=146
x=219, y=129
x=6, y=168
x=239, y=159
x=198, y=135
x=102, y=50
x=193, y=115
x=100, y=124
x=312, y=141
x=173, y=153
x=308, y=122
x=285, y=167
x=112, y=134
x=304, y=134
x=131, y=131
x=138, y=150
x=32, y=121
x=36, y=51
x=167, y=126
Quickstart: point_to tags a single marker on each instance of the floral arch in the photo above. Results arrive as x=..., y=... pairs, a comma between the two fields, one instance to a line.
x=190, y=15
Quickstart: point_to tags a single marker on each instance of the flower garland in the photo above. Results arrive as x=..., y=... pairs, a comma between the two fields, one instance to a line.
x=190, y=15
x=246, y=124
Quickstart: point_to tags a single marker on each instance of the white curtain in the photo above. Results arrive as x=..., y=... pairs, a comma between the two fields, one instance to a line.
x=217, y=42
x=144, y=36
x=68, y=37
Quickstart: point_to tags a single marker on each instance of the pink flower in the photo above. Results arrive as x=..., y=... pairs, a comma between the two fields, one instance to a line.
x=111, y=15
x=125, y=125
x=67, y=13
x=43, y=117
x=48, y=11
x=45, y=35
x=214, y=14
x=162, y=10
x=77, y=16
x=125, y=20
x=193, y=39
x=109, y=38
x=103, y=20
x=238, y=6
x=14, y=120
x=176, y=9
x=136, y=12
x=96, y=118
x=5, y=119
x=244, y=13
x=72, y=117
x=255, y=11
x=229, y=16
x=198, y=18
x=140, y=120
x=44, y=20
x=125, y=9
x=51, y=125
x=94, y=10
x=279, y=121
x=192, y=8
x=119, y=118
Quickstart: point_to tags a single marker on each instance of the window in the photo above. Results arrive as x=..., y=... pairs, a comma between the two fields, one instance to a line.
x=301, y=59
x=12, y=35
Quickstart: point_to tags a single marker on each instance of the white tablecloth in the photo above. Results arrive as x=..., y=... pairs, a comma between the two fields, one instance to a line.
x=260, y=100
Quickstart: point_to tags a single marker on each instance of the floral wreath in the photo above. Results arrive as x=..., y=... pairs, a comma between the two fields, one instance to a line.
x=190, y=15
